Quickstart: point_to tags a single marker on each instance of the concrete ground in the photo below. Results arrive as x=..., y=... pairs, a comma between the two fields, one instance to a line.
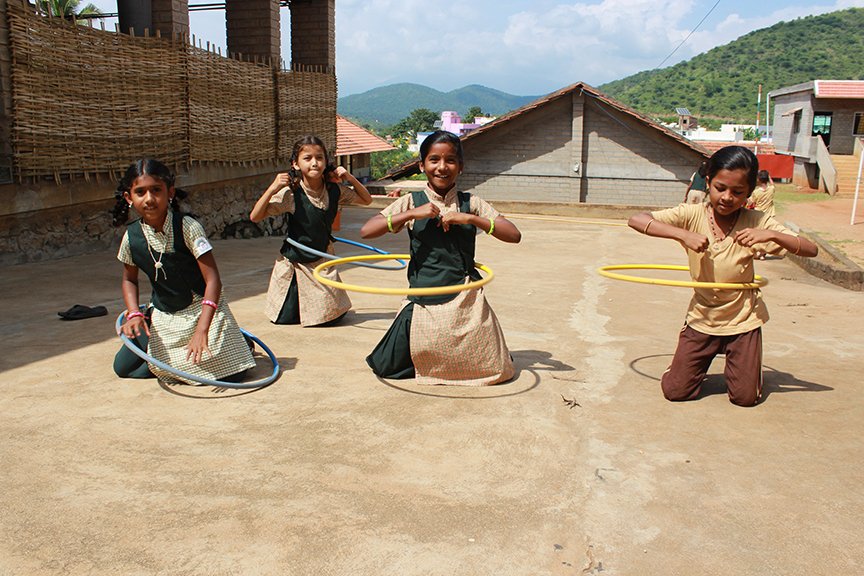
x=579, y=466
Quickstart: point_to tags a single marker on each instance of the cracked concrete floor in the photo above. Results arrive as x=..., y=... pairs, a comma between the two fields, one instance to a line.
x=332, y=471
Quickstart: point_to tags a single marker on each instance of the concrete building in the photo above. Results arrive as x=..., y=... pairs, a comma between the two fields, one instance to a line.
x=577, y=145
x=819, y=123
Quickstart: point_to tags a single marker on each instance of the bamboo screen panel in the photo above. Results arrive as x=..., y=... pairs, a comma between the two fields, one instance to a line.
x=232, y=109
x=307, y=105
x=86, y=101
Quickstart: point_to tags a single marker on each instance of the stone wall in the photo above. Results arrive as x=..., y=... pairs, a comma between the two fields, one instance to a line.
x=222, y=208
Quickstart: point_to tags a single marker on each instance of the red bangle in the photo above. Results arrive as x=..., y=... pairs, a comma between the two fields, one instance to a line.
x=136, y=314
x=210, y=303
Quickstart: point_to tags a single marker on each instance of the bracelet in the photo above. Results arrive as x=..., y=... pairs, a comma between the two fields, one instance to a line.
x=210, y=303
x=390, y=223
x=648, y=225
x=136, y=314
x=799, y=245
x=491, y=226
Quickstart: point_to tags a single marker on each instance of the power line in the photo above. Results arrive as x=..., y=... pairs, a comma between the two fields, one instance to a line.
x=688, y=35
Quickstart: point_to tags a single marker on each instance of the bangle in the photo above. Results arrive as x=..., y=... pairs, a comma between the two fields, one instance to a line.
x=648, y=225
x=136, y=314
x=390, y=223
x=210, y=303
x=799, y=245
x=491, y=226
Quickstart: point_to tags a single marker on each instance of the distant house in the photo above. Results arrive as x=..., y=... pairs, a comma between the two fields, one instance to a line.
x=577, y=145
x=686, y=121
x=354, y=147
x=818, y=123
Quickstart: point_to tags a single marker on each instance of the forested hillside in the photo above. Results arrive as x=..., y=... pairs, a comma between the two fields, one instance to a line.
x=387, y=105
x=722, y=83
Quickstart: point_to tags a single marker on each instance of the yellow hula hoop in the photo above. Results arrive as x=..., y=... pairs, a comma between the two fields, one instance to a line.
x=758, y=282
x=430, y=291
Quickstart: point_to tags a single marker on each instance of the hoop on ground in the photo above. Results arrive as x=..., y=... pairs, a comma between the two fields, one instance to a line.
x=327, y=256
x=428, y=291
x=758, y=281
x=200, y=379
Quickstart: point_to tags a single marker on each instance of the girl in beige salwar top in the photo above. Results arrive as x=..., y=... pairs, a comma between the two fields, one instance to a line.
x=454, y=338
x=310, y=193
x=721, y=238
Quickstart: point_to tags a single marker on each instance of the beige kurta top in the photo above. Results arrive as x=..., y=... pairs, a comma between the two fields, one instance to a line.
x=318, y=303
x=763, y=199
x=459, y=342
x=171, y=331
x=723, y=312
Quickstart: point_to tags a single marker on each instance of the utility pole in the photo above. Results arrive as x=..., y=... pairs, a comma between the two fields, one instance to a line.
x=758, y=106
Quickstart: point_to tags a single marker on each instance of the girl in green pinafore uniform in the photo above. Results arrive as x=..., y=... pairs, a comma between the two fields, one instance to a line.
x=310, y=193
x=454, y=338
x=190, y=326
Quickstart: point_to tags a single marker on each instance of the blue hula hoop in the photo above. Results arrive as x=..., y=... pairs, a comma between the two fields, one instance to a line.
x=307, y=249
x=201, y=380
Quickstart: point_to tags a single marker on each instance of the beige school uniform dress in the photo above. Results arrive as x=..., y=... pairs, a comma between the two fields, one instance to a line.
x=763, y=200
x=459, y=342
x=170, y=332
x=318, y=303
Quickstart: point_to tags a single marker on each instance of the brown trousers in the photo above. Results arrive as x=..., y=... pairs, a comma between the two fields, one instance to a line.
x=683, y=379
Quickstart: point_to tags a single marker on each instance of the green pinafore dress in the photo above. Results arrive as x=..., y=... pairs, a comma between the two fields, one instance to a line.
x=448, y=339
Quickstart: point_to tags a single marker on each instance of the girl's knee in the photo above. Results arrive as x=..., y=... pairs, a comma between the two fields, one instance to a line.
x=676, y=390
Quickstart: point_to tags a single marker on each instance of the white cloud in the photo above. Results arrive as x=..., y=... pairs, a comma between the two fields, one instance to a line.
x=519, y=46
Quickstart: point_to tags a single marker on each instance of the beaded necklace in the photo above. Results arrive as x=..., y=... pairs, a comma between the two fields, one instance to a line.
x=716, y=229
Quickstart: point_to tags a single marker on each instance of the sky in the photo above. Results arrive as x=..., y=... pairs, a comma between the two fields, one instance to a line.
x=527, y=47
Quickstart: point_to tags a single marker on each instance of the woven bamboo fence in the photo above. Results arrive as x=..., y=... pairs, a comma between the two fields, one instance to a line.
x=87, y=102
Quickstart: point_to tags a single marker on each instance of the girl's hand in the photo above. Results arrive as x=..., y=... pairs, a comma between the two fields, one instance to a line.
x=750, y=236
x=198, y=347
x=281, y=181
x=135, y=327
x=450, y=218
x=694, y=241
x=428, y=210
x=339, y=174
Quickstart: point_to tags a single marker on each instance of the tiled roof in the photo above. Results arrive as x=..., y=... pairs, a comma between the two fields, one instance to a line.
x=839, y=89
x=352, y=139
x=413, y=167
x=713, y=146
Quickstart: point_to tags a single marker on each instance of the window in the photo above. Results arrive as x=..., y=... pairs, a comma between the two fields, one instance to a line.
x=858, y=124
x=796, y=122
x=822, y=126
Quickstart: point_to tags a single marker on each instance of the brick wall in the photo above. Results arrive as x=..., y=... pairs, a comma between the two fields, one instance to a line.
x=313, y=33
x=170, y=17
x=252, y=29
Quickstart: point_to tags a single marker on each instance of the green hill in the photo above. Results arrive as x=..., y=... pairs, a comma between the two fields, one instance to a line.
x=386, y=105
x=722, y=83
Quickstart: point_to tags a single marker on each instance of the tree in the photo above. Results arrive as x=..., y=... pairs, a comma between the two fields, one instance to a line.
x=419, y=120
x=384, y=161
x=67, y=9
x=473, y=113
